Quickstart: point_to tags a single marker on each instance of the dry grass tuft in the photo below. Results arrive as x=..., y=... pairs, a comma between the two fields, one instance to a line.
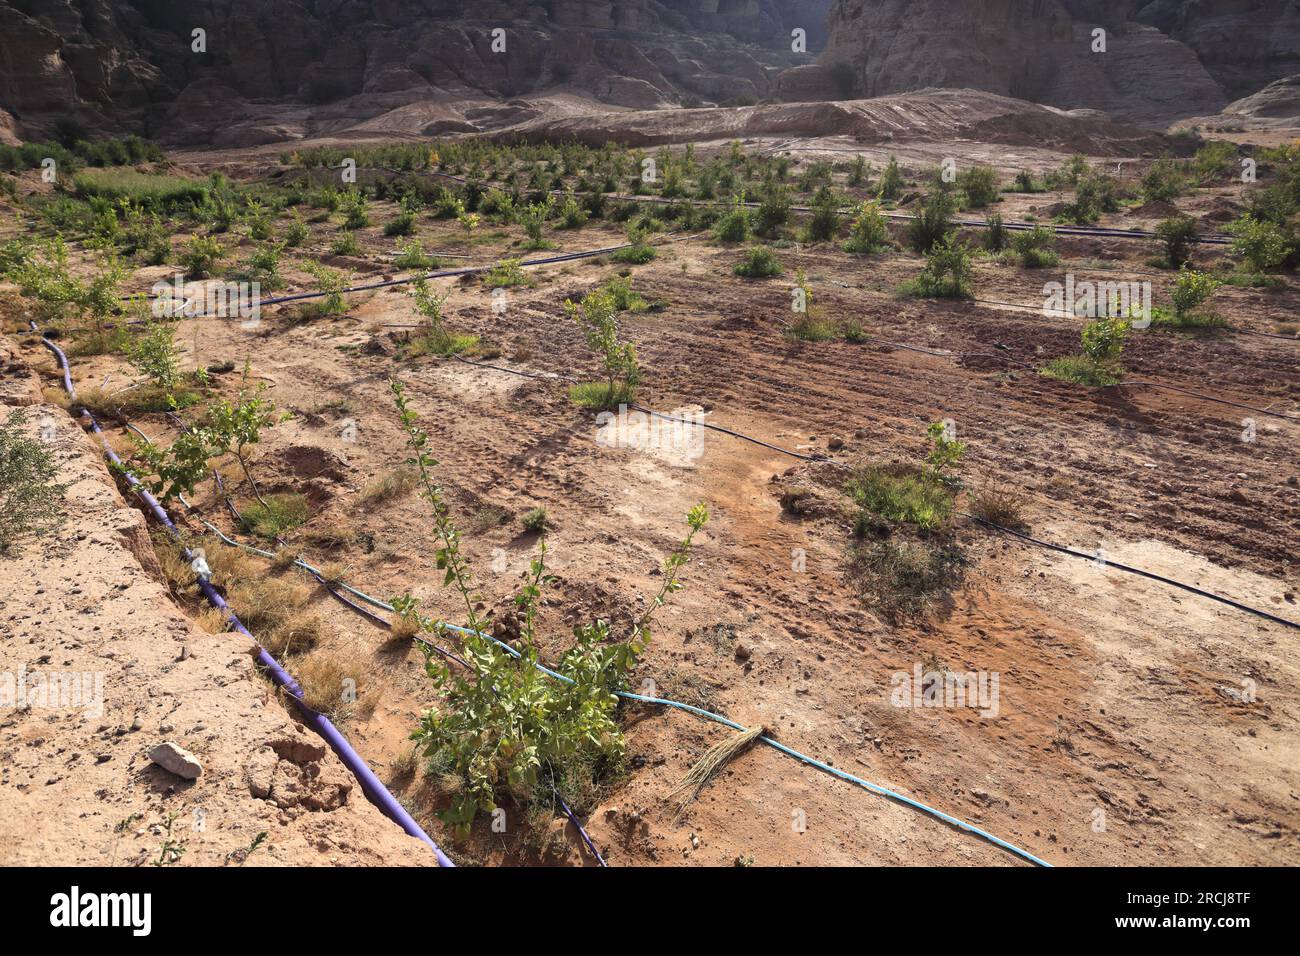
x=333, y=687
x=1000, y=505
x=714, y=759
x=389, y=486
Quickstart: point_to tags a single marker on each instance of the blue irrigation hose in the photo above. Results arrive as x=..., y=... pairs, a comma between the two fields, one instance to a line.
x=719, y=718
x=371, y=785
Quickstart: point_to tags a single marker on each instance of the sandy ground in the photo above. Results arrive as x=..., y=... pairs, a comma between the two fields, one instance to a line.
x=1137, y=724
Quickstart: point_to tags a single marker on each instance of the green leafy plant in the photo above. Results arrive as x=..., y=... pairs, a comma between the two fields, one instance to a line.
x=234, y=427
x=869, y=232
x=979, y=184
x=759, y=263
x=1177, y=234
x=596, y=317
x=734, y=224
x=947, y=273
x=1260, y=243
x=506, y=730
x=933, y=223
x=891, y=181
x=153, y=352
x=31, y=501
x=434, y=337
x=1036, y=247
x=825, y=220
x=200, y=256
x=332, y=282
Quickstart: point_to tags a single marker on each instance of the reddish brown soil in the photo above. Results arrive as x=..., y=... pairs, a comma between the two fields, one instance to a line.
x=1120, y=697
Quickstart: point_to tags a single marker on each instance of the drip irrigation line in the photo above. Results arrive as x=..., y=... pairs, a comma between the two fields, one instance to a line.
x=371, y=785
x=1193, y=589
x=365, y=612
x=1066, y=550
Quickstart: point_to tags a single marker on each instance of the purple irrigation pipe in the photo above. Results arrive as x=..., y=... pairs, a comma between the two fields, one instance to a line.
x=371, y=785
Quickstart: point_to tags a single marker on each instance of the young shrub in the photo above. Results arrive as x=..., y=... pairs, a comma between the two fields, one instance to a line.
x=534, y=520
x=932, y=225
x=1095, y=193
x=1103, y=343
x=233, y=428
x=759, y=263
x=1162, y=182
x=298, y=231
x=638, y=251
x=1035, y=247
x=901, y=493
x=332, y=283
x=200, y=256
x=891, y=181
x=1178, y=233
x=947, y=273
x=979, y=184
x=506, y=274
x=31, y=501
x=173, y=471
x=403, y=224
x=434, y=338
x=1025, y=183
x=869, y=232
x=354, y=209
x=153, y=353
x=411, y=255
x=595, y=316
x=733, y=226
x=346, y=245
x=533, y=218
x=825, y=221
x=574, y=214
x=773, y=210
x=1192, y=289
x=1261, y=244
x=995, y=235
x=506, y=729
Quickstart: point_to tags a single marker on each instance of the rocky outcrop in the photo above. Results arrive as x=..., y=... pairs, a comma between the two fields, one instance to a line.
x=1244, y=44
x=139, y=64
x=1039, y=50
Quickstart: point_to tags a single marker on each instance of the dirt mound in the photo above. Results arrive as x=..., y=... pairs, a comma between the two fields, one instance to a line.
x=926, y=115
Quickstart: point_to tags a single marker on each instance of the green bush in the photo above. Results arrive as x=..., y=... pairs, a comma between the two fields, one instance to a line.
x=980, y=184
x=31, y=501
x=824, y=223
x=947, y=273
x=200, y=256
x=1035, y=247
x=759, y=263
x=503, y=727
x=932, y=224
x=869, y=232
x=1262, y=244
x=1178, y=234
x=1162, y=182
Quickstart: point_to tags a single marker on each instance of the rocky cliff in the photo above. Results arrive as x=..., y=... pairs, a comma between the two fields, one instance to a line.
x=1162, y=60
x=138, y=64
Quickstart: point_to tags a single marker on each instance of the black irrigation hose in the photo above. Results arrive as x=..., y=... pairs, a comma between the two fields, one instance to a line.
x=1046, y=544
x=1191, y=588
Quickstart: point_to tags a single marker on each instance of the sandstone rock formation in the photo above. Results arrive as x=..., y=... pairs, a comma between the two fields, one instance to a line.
x=1039, y=50
x=139, y=64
